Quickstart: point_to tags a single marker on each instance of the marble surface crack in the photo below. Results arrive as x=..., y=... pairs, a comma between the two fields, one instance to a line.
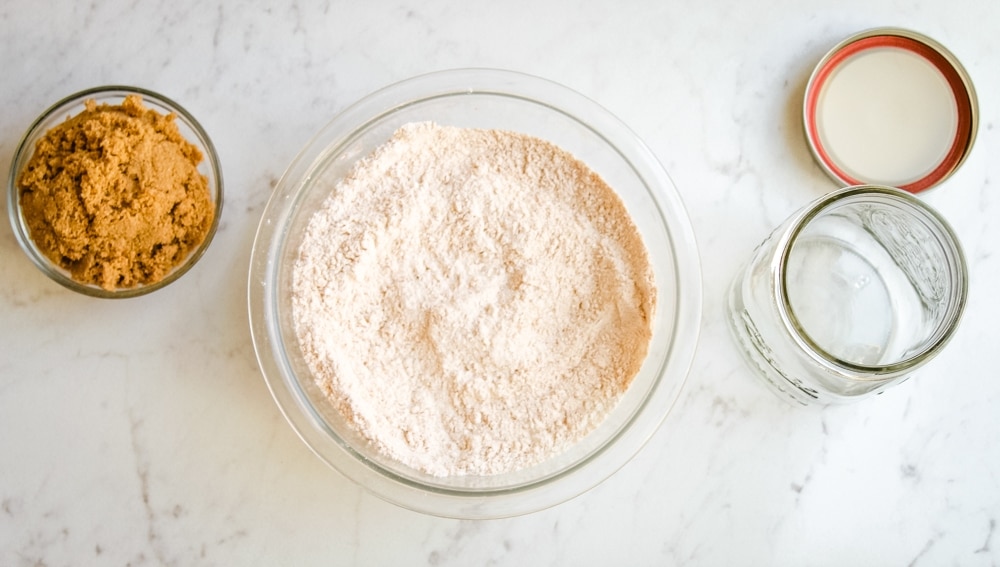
x=142, y=476
x=989, y=537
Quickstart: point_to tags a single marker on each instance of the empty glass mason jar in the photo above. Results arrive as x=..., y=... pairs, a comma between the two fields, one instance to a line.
x=849, y=296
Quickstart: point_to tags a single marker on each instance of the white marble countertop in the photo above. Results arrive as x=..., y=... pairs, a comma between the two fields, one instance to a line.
x=140, y=432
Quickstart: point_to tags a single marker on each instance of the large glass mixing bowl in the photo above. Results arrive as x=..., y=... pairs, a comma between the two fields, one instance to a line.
x=479, y=98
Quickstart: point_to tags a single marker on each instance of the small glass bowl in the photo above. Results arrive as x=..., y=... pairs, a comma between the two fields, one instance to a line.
x=479, y=98
x=72, y=105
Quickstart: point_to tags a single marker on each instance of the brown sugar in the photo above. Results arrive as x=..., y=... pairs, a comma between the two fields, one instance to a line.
x=114, y=196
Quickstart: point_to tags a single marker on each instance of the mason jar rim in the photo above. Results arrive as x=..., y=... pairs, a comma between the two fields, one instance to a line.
x=944, y=331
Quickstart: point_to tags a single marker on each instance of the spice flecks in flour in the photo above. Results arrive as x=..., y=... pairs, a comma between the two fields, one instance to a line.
x=472, y=301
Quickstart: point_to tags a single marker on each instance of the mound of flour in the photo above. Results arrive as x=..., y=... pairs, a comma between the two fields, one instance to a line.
x=472, y=301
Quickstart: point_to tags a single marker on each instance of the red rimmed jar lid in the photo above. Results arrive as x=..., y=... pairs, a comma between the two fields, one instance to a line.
x=890, y=107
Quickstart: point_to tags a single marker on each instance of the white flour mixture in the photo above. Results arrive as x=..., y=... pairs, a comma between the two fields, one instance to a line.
x=472, y=301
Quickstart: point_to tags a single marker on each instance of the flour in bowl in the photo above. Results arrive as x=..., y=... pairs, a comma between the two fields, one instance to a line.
x=471, y=301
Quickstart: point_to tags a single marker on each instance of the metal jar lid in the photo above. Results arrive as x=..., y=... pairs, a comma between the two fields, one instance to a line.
x=890, y=107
